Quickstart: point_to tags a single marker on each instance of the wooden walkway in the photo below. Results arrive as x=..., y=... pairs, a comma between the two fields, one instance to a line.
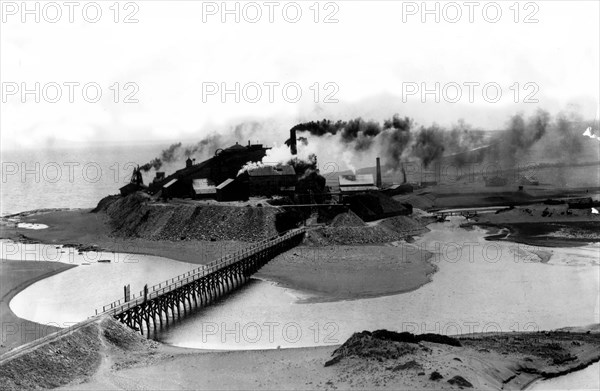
x=198, y=287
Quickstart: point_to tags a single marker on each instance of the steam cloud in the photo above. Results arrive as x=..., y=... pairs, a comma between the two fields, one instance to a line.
x=398, y=139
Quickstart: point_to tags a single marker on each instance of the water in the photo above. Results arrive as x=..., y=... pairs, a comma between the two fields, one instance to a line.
x=509, y=289
x=68, y=177
x=586, y=379
x=73, y=295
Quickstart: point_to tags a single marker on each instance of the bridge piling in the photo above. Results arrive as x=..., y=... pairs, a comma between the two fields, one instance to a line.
x=200, y=287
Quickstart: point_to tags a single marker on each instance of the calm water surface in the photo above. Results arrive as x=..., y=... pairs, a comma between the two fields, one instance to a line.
x=480, y=286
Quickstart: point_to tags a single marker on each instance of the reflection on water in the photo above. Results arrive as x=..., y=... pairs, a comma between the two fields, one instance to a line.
x=479, y=286
x=586, y=379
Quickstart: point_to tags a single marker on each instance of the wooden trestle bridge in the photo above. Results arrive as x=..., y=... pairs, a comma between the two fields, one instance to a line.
x=201, y=286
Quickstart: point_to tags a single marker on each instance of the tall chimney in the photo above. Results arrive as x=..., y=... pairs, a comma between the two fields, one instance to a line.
x=378, y=173
x=293, y=147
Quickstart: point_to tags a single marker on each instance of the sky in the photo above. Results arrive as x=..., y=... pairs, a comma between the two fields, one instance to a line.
x=172, y=62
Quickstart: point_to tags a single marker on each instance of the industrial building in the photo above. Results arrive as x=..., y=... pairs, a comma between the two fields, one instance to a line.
x=352, y=184
x=271, y=180
x=228, y=176
x=201, y=180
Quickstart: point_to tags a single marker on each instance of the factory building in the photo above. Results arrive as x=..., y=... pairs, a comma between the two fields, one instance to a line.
x=203, y=188
x=225, y=164
x=232, y=190
x=271, y=180
x=352, y=184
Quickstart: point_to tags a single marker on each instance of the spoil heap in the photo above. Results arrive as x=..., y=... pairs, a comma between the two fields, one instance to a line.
x=348, y=229
x=136, y=216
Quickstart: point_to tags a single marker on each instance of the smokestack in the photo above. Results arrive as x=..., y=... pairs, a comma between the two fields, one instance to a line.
x=293, y=142
x=378, y=173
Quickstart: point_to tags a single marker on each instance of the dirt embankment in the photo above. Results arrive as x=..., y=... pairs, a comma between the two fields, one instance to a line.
x=83, y=354
x=384, y=359
x=138, y=216
x=108, y=355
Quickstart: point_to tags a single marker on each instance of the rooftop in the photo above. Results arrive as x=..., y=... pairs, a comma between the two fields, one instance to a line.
x=272, y=171
x=356, y=180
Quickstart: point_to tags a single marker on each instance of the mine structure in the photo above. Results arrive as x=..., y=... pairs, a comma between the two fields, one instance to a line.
x=204, y=180
x=238, y=172
x=136, y=183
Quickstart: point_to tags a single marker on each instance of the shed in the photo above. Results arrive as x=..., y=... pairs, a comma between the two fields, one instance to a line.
x=167, y=189
x=203, y=188
x=232, y=190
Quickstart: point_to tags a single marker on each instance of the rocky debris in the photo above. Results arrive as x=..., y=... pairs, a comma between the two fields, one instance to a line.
x=409, y=365
x=384, y=344
x=125, y=338
x=352, y=235
x=366, y=345
x=415, y=338
x=435, y=376
x=347, y=219
x=402, y=224
x=346, y=231
x=460, y=381
x=136, y=216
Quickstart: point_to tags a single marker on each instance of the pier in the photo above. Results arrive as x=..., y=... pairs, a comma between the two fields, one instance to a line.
x=199, y=287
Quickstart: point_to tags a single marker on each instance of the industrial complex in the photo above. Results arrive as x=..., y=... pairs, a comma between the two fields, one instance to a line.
x=236, y=173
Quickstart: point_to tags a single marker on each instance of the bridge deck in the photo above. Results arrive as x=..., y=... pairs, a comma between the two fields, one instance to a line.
x=174, y=284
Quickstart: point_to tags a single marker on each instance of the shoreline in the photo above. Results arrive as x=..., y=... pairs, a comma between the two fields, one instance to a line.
x=12, y=283
x=316, y=270
x=506, y=232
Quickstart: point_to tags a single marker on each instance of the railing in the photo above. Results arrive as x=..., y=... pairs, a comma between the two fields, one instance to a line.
x=171, y=284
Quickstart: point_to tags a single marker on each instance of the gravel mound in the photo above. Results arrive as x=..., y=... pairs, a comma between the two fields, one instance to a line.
x=347, y=219
x=366, y=345
x=352, y=235
x=384, y=344
x=136, y=216
x=345, y=229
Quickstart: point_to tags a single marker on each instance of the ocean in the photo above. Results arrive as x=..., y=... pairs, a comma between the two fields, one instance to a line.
x=68, y=177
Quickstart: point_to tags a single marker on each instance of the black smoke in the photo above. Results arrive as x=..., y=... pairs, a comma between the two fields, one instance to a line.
x=166, y=156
